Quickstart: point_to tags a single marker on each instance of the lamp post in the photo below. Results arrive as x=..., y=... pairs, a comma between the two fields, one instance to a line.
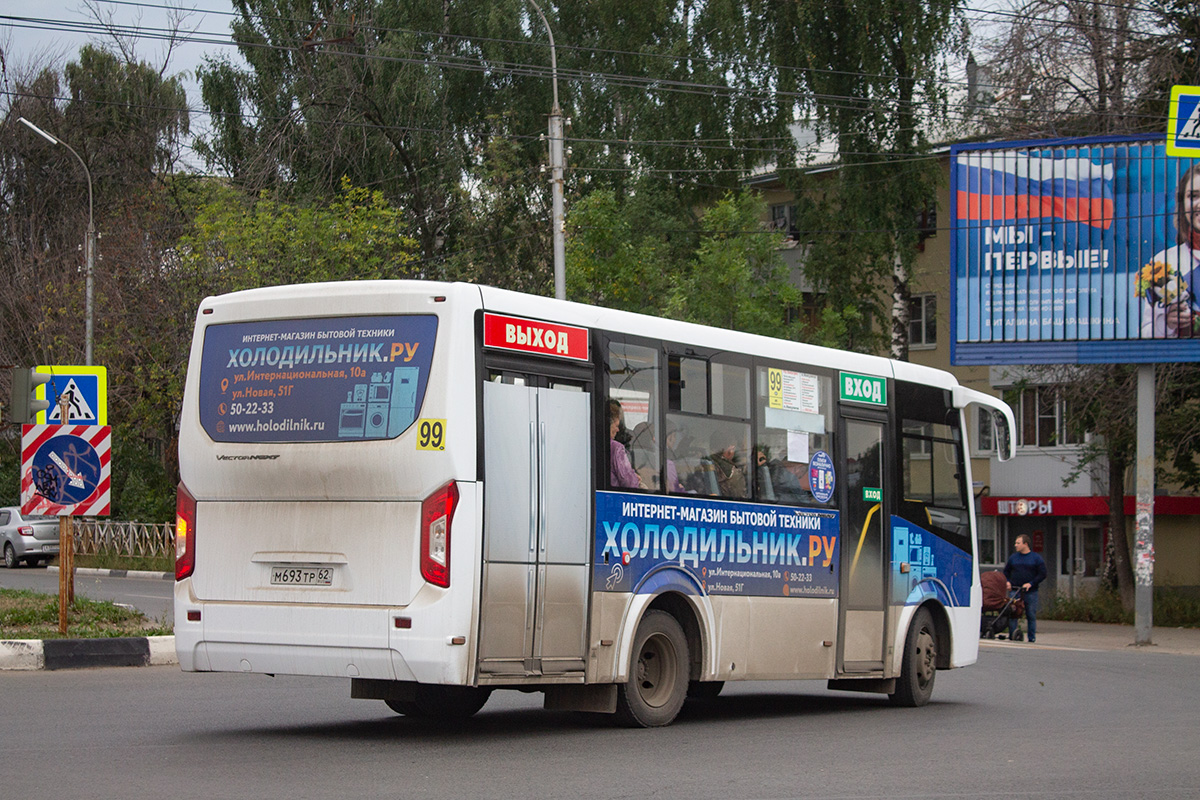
x=556, y=172
x=91, y=238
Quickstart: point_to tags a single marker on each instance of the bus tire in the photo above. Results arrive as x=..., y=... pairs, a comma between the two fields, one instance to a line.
x=442, y=702
x=918, y=669
x=658, y=674
x=406, y=707
x=704, y=690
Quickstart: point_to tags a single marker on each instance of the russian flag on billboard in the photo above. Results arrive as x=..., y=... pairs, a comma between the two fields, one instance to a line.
x=1024, y=186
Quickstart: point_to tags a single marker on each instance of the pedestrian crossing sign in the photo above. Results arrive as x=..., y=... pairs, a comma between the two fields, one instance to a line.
x=86, y=390
x=1183, y=122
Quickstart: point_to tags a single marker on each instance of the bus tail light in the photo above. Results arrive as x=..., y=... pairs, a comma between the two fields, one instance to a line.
x=437, y=513
x=185, y=533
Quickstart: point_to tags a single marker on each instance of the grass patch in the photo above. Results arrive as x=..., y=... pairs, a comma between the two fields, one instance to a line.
x=26, y=614
x=1172, y=609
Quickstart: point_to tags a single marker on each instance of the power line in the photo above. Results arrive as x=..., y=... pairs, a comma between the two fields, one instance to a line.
x=528, y=70
x=617, y=80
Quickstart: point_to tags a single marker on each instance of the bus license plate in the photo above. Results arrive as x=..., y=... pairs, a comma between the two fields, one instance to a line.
x=301, y=576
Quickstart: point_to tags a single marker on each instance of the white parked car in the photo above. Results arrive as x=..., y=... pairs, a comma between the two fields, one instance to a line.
x=32, y=538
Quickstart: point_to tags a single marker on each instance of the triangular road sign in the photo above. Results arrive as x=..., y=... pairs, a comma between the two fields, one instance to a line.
x=79, y=411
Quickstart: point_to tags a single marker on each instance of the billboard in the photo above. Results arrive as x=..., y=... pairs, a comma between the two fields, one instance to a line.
x=1074, y=251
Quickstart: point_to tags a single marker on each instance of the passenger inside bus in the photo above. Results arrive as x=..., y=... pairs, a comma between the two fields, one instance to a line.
x=643, y=450
x=727, y=464
x=621, y=474
x=674, y=485
x=778, y=479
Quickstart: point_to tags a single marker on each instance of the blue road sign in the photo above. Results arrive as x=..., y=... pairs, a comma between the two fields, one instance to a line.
x=1183, y=122
x=86, y=389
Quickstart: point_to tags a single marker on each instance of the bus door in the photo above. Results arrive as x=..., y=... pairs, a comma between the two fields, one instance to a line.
x=864, y=543
x=536, y=524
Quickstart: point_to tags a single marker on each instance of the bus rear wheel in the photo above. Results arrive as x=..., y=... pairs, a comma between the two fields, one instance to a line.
x=918, y=669
x=658, y=674
x=442, y=702
x=704, y=690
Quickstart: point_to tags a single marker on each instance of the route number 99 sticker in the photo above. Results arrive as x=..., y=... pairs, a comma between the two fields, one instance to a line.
x=431, y=434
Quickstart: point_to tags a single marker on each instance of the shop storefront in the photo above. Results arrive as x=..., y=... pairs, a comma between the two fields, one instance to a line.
x=1071, y=534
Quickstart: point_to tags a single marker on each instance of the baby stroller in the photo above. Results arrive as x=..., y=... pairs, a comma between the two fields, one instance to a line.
x=1000, y=606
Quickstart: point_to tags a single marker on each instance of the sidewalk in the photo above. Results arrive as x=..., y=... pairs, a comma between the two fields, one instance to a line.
x=1093, y=636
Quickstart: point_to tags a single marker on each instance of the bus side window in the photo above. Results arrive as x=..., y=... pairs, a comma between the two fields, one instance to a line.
x=632, y=383
x=795, y=420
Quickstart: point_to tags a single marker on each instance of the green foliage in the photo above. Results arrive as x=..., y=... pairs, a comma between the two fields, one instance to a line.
x=1103, y=606
x=876, y=70
x=10, y=471
x=736, y=280
x=241, y=243
x=1172, y=609
x=130, y=111
x=26, y=614
x=142, y=488
x=118, y=561
x=609, y=263
x=622, y=255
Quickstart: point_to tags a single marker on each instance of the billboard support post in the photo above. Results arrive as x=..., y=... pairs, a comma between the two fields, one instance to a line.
x=1143, y=551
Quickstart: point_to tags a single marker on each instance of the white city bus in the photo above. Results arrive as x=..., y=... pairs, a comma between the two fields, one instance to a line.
x=437, y=490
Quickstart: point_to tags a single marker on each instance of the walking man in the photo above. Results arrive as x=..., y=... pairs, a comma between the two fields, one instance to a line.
x=1027, y=570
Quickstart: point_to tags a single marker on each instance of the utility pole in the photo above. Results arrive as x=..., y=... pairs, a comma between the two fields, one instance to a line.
x=557, y=167
x=1143, y=549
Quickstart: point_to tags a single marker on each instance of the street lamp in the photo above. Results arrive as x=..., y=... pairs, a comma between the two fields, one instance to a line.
x=91, y=238
x=556, y=172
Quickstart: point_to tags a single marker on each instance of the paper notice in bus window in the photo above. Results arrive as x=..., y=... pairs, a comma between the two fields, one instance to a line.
x=797, y=446
x=326, y=379
x=794, y=391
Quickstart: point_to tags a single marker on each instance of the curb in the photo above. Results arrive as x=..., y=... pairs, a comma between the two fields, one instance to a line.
x=119, y=573
x=136, y=651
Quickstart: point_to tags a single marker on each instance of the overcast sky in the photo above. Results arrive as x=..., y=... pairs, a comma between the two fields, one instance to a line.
x=31, y=31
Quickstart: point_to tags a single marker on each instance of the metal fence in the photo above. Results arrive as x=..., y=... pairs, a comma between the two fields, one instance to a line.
x=94, y=537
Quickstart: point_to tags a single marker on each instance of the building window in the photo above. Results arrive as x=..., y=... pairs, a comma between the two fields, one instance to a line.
x=987, y=530
x=922, y=320
x=783, y=219
x=1043, y=417
x=985, y=439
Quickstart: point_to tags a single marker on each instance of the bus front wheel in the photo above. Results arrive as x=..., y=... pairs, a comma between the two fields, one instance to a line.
x=658, y=674
x=918, y=669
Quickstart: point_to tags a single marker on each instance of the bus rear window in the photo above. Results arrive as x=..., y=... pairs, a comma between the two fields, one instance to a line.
x=325, y=379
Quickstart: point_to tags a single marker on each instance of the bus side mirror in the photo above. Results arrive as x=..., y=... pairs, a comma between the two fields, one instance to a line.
x=1002, y=436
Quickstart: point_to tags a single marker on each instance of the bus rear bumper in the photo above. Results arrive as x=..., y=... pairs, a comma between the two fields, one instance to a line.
x=314, y=640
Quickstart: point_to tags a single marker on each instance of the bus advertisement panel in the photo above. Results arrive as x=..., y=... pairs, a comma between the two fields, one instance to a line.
x=315, y=380
x=743, y=549
x=1074, y=251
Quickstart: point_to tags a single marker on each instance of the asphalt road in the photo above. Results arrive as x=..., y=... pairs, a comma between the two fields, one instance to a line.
x=1025, y=722
x=152, y=596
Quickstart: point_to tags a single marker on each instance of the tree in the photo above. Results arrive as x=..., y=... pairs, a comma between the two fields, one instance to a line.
x=736, y=280
x=1073, y=67
x=127, y=121
x=401, y=97
x=876, y=71
x=441, y=108
x=242, y=242
x=731, y=278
